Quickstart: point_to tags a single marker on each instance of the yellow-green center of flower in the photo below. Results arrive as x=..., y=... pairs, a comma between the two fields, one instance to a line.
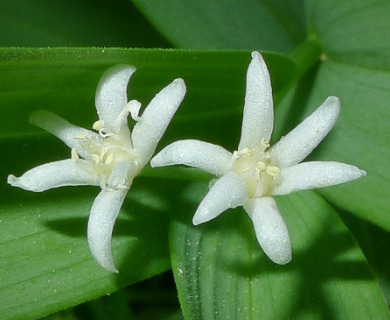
x=106, y=153
x=256, y=169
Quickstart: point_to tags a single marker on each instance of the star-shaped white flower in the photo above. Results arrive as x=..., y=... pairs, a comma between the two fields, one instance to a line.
x=250, y=176
x=110, y=158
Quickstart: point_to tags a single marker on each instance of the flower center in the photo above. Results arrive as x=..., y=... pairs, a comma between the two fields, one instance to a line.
x=256, y=168
x=110, y=156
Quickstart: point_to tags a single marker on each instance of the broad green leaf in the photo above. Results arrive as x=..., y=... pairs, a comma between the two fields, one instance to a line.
x=354, y=32
x=46, y=264
x=64, y=81
x=46, y=23
x=360, y=137
x=228, y=24
x=221, y=272
x=356, y=69
x=374, y=242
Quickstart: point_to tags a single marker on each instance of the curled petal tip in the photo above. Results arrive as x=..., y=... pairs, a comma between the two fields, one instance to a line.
x=255, y=54
x=178, y=82
x=283, y=257
x=333, y=99
x=156, y=161
x=178, y=85
x=12, y=180
x=196, y=220
x=112, y=71
x=332, y=102
x=202, y=215
x=24, y=183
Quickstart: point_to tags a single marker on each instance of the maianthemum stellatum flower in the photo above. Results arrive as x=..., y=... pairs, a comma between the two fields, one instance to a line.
x=250, y=176
x=109, y=158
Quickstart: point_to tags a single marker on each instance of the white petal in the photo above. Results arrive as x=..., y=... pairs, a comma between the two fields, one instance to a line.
x=258, y=120
x=301, y=141
x=111, y=94
x=104, y=212
x=122, y=174
x=315, y=174
x=228, y=192
x=56, y=174
x=271, y=230
x=203, y=155
x=155, y=119
x=73, y=136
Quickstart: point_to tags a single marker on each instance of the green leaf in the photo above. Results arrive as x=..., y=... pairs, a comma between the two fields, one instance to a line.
x=354, y=32
x=356, y=68
x=222, y=273
x=373, y=241
x=360, y=137
x=46, y=23
x=46, y=264
x=64, y=80
x=228, y=24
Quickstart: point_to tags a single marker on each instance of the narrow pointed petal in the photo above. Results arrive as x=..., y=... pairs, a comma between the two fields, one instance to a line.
x=111, y=94
x=73, y=136
x=203, y=155
x=257, y=123
x=228, y=192
x=315, y=174
x=270, y=228
x=56, y=174
x=155, y=119
x=301, y=141
x=104, y=212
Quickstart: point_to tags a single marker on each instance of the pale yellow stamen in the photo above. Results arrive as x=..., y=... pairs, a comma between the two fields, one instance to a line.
x=98, y=125
x=242, y=153
x=74, y=154
x=273, y=171
x=264, y=143
x=95, y=158
x=260, y=166
x=109, y=158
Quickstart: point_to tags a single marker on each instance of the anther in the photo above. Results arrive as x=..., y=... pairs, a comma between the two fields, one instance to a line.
x=109, y=158
x=95, y=158
x=98, y=125
x=264, y=143
x=74, y=155
x=273, y=171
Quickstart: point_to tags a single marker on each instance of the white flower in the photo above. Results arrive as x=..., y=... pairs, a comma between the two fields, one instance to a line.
x=110, y=158
x=250, y=176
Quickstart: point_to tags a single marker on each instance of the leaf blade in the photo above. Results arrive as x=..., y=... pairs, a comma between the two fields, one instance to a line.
x=221, y=262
